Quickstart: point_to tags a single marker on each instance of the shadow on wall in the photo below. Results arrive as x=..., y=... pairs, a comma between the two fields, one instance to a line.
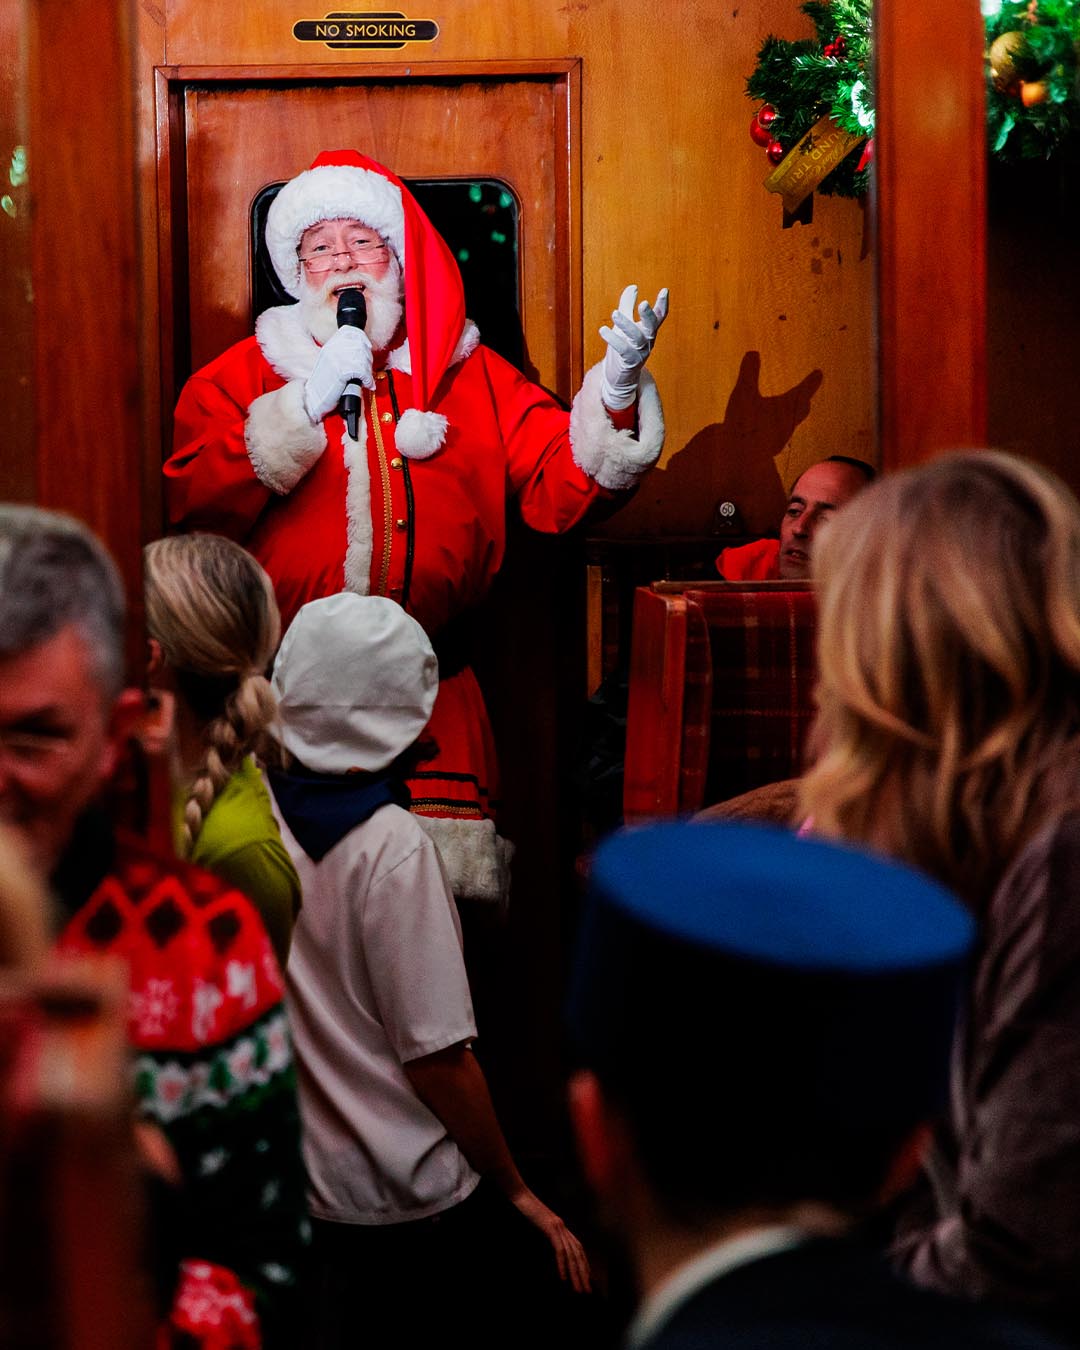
x=732, y=460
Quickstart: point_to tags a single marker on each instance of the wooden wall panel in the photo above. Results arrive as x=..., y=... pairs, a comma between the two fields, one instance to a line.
x=17, y=477
x=766, y=364
x=202, y=32
x=88, y=451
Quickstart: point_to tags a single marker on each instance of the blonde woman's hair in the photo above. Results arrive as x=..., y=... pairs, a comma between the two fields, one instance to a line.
x=212, y=608
x=948, y=727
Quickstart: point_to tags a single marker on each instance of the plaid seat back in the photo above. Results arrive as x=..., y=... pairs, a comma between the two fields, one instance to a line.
x=762, y=648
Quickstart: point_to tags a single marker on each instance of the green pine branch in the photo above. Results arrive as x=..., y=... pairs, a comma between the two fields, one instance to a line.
x=1048, y=60
x=803, y=85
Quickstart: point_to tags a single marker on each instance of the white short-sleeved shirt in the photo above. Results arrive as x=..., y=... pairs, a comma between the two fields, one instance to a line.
x=376, y=978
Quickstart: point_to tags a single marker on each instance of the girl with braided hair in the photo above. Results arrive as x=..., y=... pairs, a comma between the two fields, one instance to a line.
x=214, y=626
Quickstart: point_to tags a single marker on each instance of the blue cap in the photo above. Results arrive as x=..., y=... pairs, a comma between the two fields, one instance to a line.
x=803, y=976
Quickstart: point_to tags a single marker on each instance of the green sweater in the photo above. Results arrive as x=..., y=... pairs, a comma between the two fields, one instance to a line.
x=240, y=842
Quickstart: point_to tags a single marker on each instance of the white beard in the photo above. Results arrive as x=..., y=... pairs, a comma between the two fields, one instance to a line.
x=318, y=307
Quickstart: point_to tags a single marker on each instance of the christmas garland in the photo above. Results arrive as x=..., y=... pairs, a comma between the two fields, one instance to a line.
x=801, y=82
x=1033, y=93
x=1032, y=97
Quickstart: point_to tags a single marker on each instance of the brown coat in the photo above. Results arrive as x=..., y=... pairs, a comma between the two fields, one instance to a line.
x=998, y=1217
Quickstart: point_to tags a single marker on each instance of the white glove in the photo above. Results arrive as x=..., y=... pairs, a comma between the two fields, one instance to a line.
x=346, y=357
x=628, y=346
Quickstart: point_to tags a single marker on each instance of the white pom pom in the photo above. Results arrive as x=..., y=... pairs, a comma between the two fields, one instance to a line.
x=420, y=434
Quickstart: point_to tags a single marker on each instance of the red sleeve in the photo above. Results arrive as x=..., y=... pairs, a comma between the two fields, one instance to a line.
x=209, y=480
x=552, y=492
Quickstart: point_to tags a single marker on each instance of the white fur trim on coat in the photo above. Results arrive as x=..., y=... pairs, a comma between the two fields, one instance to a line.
x=331, y=192
x=420, y=434
x=286, y=343
x=477, y=860
x=615, y=459
x=292, y=351
x=359, y=533
x=281, y=442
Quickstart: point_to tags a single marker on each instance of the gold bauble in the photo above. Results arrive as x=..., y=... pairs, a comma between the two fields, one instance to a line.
x=1003, y=53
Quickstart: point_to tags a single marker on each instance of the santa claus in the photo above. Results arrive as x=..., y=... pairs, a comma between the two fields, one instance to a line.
x=413, y=506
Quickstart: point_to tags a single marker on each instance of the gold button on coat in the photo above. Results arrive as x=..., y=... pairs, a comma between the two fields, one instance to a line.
x=401, y=524
x=396, y=462
x=386, y=417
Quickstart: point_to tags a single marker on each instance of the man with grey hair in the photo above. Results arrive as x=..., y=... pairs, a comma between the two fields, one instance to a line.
x=213, y=1067
x=62, y=708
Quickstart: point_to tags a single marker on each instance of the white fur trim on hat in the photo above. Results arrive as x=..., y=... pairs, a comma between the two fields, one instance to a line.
x=476, y=858
x=615, y=459
x=420, y=434
x=331, y=192
x=281, y=442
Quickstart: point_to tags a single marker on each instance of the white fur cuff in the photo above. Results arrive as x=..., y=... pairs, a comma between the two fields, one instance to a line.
x=615, y=459
x=477, y=860
x=281, y=442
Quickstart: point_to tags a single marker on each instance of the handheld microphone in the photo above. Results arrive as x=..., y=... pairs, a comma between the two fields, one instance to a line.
x=351, y=313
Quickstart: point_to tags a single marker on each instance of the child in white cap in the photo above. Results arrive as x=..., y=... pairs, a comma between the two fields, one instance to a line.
x=399, y=1126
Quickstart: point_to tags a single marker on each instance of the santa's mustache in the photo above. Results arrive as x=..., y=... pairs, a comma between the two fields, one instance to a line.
x=386, y=288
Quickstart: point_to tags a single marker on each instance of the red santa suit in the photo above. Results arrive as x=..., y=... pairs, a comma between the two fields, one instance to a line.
x=415, y=507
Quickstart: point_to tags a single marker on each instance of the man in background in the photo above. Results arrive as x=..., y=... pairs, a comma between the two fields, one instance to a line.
x=816, y=495
x=763, y=1024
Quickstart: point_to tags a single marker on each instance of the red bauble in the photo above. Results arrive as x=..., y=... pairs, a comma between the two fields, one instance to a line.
x=766, y=114
x=775, y=152
x=759, y=134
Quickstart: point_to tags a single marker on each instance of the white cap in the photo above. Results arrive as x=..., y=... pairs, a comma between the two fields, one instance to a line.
x=356, y=679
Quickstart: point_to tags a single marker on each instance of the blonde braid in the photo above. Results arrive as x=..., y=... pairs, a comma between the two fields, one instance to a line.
x=212, y=608
x=240, y=730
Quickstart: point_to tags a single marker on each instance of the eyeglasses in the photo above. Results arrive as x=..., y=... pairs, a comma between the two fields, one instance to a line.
x=322, y=259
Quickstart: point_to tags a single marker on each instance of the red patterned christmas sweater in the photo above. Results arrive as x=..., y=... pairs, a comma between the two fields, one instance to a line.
x=214, y=1069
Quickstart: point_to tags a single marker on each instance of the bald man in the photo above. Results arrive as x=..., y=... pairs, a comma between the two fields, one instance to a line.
x=816, y=495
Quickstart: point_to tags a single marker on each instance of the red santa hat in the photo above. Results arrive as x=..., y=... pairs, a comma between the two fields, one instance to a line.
x=343, y=184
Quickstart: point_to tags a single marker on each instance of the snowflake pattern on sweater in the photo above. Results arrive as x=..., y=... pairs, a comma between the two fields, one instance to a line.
x=214, y=1070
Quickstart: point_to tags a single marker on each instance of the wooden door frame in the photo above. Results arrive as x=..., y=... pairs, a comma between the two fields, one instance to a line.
x=930, y=227
x=170, y=82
